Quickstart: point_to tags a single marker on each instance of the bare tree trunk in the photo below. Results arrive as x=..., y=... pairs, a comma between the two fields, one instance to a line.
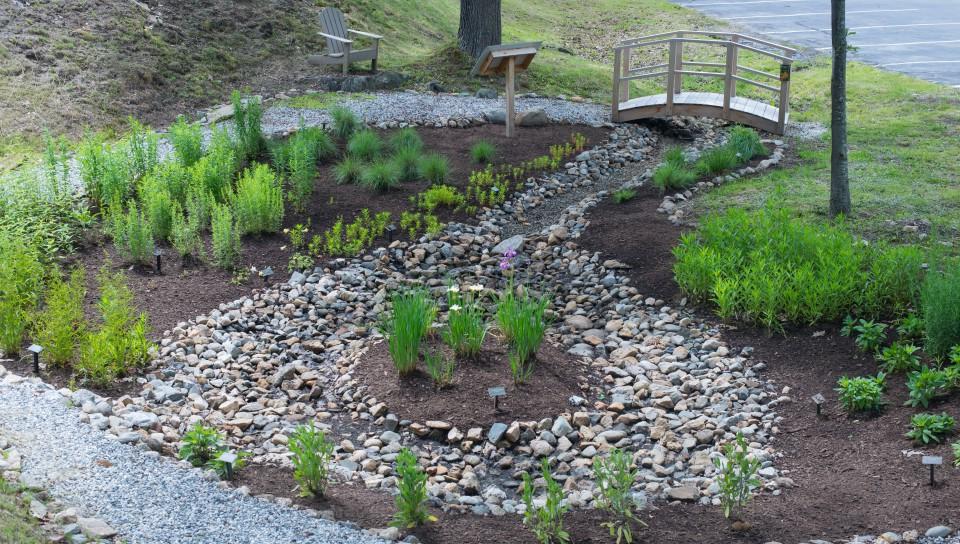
x=839, y=176
x=479, y=25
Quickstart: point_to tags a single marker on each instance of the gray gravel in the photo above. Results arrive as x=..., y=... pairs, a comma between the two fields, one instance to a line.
x=148, y=499
x=413, y=107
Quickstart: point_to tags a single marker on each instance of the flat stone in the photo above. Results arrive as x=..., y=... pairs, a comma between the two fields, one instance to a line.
x=96, y=528
x=513, y=242
x=578, y=322
x=940, y=531
x=683, y=493
x=143, y=420
x=496, y=433
x=561, y=427
x=533, y=118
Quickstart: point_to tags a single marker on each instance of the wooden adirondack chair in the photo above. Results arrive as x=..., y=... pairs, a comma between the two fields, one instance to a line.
x=339, y=46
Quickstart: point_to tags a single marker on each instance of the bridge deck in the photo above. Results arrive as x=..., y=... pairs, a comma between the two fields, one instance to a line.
x=742, y=110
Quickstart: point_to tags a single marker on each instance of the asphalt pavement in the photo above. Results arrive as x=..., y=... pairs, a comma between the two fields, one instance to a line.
x=916, y=37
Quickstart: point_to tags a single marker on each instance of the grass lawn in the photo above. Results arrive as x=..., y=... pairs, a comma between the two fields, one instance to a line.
x=16, y=525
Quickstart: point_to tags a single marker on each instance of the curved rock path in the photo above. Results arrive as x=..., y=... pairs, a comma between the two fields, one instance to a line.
x=147, y=498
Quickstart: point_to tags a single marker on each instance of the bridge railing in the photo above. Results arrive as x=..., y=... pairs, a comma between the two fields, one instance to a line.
x=678, y=66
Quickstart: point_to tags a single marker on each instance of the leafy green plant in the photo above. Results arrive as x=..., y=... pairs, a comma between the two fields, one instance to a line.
x=439, y=367
x=202, y=447
x=185, y=234
x=439, y=195
x=406, y=161
x=345, y=122
x=910, y=327
x=120, y=342
x=870, y=335
x=956, y=454
x=199, y=207
x=670, y=175
x=226, y=238
x=312, y=452
x=258, y=203
x=434, y=168
x=864, y=394
x=131, y=233
x=380, y=176
x=60, y=326
x=925, y=385
x=187, y=141
x=717, y=160
x=351, y=239
x=899, y=358
x=157, y=206
x=412, y=497
x=365, y=145
x=246, y=121
x=624, y=195
x=416, y=223
x=407, y=325
x=21, y=281
x=522, y=320
x=466, y=326
x=746, y=142
x=142, y=145
x=299, y=261
x=406, y=138
x=930, y=428
x=301, y=167
x=482, y=152
x=348, y=170
x=736, y=476
x=545, y=521
x=940, y=301
x=615, y=478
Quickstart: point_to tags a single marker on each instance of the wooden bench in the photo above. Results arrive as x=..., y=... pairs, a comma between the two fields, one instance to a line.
x=339, y=45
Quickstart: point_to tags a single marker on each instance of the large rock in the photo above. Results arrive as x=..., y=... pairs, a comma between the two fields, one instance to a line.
x=495, y=117
x=683, y=493
x=96, y=528
x=533, y=118
x=142, y=420
x=513, y=242
x=496, y=432
x=578, y=322
x=485, y=92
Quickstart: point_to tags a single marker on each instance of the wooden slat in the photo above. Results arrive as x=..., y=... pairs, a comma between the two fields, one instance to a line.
x=331, y=20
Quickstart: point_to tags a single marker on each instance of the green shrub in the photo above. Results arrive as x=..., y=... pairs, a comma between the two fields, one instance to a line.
x=21, y=281
x=299, y=261
x=187, y=141
x=416, y=223
x=345, y=122
x=407, y=162
x=142, y=145
x=769, y=268
x=173, y=177
x=940, y=300
x=301, y=167
x=411, y=498
x=545, y=521
x=717, y=160
x=185, y=234
x=348, y=170
x=115, y=178
x=466, y=325
x=406, y=326
x=439, y=195
x=523, y=322
x=736, y=476
x=157, y=206
x=406, y=138
x=312, y=452
x=131, y=233
x=380, y=176
x=624, y=195
x=351, y=239
x=899, y=358
x=226, y=237
x=746, y=143
x=213, y=173
x=202, y=447
x=434, y=168
x=862, y=394
x=670, y=175
x=199, y=207
x=910, y=327
x=246, y=121
x=91, y=159
x=365, y=145
x=930, y=428
x=258, y=202
x=870, y=335
x=925, y=385
x=439, y=368
x=120, y=342
x=60, y=326
x=482, y=152
x=615, y=478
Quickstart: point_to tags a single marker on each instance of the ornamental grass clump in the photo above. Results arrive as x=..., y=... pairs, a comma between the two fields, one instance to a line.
x=624, y=195
x=670, y=175
x=411, y=499
x=345, y=122
x=522, y=320
x=60, y=326
x=434, y=168
x=406, y=160
x=413, y=313
x=736, y=476
x=258, y=202
x=546, y=520
x=406, y=138
x=380, y=176
x=348, y=170
x=365, y=145
x=439, y=367
x=615, y=478
x=864, y=394
x=482, y=152
x=312, y=452
x=746, y=142
x=466, y=324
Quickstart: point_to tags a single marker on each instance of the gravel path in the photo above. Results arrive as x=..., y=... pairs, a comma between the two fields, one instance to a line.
x=148, y=499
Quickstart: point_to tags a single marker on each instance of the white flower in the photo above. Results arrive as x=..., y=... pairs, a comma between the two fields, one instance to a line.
x=455, y=308
x=285, y=231
x=476, y=288
x=453, y=289
x=283, y=248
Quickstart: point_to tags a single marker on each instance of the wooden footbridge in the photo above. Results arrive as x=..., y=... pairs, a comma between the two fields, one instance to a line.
x=770, y=116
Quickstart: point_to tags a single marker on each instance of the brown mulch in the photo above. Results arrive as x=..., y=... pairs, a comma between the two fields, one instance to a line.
x=465, y=402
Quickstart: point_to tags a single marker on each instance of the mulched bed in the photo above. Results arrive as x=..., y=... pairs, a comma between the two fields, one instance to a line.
x=465, y=402
x=851, y=475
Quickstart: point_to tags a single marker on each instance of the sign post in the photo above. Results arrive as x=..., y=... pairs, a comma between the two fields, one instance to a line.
x=506, y=59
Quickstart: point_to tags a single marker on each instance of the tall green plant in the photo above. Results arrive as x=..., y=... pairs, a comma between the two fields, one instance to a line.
x=412, y=497
x=142, y=145
x=258, y=202
x=187, y=141
x=247, y=125
x=466, y=325
x=312, y=452
x=21, y=282
x=413, y=313
x=736, y=476
x=940, y=300
x=226, y=237
x=523, y=322
x=157, y=206
x=545, y=521
x=615, y=478
x=60, y=325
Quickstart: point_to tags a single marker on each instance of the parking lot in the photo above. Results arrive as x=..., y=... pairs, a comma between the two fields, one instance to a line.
x=916, y=37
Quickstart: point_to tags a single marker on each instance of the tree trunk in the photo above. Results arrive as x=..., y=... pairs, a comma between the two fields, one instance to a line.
x=839, y=178
x=479, y=25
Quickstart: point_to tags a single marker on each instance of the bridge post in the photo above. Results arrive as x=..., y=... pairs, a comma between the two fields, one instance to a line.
x=671, y=75
x=625, y=71
x=784, y=103
x=615, y=103
x=729, y=84
x=678, y=83
x=736, y=62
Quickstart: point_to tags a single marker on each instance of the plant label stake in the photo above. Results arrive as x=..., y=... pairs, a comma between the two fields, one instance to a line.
x=265, y=274
x=932, y=461
x=228, y=458
x=496, y=393
x=158, y=253
x=391, y=231
x=818, y=400
x=35, y=349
